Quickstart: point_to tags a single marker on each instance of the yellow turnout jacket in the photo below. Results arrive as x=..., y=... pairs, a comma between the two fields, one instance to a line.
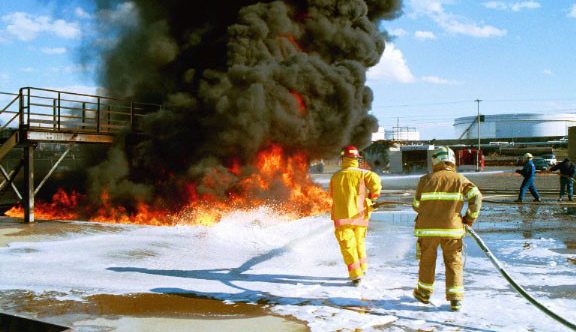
x=352, y=190
x=439, y=199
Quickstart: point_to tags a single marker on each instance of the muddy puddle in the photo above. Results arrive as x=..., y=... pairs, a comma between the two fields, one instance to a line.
x=133, y=312
x=144, y=312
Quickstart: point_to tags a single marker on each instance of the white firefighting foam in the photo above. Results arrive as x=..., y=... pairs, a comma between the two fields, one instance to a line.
x=296, y=268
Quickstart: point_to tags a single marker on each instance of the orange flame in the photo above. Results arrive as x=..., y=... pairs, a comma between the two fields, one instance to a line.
x=300, y=101
x=281, y=181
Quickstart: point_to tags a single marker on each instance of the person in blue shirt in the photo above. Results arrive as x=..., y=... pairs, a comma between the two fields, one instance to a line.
x=529, y=173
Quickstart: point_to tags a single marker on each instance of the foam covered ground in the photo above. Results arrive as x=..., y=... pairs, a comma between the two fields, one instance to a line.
x=295, y=267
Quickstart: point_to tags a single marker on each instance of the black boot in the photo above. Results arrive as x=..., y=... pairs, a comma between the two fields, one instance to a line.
x=455, y=305
x=422, y=298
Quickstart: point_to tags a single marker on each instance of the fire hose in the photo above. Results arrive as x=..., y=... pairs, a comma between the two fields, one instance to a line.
x=500, y=269
x=514, y=285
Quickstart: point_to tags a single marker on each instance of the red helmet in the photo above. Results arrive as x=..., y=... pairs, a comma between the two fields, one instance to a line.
x=350, y=151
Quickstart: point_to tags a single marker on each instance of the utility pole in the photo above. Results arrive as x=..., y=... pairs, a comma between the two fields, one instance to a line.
x=478, y=125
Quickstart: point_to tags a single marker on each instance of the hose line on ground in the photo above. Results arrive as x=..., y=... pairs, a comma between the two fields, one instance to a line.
x=514, y=285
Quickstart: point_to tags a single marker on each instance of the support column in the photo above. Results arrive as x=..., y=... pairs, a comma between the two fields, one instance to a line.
x=28, y=194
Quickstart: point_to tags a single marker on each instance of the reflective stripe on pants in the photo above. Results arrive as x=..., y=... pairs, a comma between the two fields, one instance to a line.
x=352, y=241
x=452, y=254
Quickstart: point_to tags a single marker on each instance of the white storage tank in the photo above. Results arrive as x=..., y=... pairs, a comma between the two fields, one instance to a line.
x=514, y=125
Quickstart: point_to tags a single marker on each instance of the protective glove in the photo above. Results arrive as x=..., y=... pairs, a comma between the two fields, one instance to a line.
x=369, y=205
x=467, y=221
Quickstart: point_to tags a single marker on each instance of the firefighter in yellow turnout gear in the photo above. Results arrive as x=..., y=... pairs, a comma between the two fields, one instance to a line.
x=353, y=189
x=439, y=200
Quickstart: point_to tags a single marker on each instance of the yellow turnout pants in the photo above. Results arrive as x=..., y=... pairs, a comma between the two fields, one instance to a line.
x=352, y=241
x=452, y=252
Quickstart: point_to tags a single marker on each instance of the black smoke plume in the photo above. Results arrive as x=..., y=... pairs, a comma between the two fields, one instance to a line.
x=235, y=77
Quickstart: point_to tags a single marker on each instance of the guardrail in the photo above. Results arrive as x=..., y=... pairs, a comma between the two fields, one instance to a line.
x=60, y=111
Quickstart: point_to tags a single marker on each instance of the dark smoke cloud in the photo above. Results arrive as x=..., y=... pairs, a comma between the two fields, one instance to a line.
x=235, y=76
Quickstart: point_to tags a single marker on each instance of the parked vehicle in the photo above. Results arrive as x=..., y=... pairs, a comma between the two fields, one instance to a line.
x=540, y=164
x=550, y=159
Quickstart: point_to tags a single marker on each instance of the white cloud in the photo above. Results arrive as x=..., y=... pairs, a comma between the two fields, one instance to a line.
x=572, y=12
x=391, y=68
x=514, y=6
x=453, y=23
x=82, y=89
x=439, y=80
x=53, y=50
x=498, y=5
x=517, y=6
x=26, y=27
x=81, y=13
x=27, y=69
x=547, y=72
x=398, y=32
x=423, y=35
x=470, y=29
x=72, y=69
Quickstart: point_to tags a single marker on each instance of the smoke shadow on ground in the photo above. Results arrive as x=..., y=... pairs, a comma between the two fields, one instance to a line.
x=228, y=276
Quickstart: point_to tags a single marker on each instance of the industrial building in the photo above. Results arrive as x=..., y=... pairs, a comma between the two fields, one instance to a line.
x=396, y=134
x=514, y=125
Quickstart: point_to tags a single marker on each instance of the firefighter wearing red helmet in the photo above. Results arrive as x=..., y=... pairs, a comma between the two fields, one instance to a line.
x=353, y=190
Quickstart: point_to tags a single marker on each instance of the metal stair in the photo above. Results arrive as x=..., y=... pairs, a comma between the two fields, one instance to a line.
x=37, y=115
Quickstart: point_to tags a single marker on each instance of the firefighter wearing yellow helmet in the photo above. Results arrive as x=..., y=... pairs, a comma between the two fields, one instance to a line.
x=439, y=200
x=353, y=189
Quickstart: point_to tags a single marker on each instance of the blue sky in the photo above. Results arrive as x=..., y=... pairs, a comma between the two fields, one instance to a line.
x=516, y=56
x=39, y=45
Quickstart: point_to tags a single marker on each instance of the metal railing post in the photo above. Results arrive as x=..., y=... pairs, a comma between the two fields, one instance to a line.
x=109, y=109
x=83, y=114
x=59, y=118
x=54, y=118
x=98, y=115
x=28, y=106
x=21, y=107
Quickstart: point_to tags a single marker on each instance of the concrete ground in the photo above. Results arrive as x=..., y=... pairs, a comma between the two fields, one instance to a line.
x=141, y=311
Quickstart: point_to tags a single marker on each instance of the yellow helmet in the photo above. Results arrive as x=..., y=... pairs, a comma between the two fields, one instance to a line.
x=443, y=154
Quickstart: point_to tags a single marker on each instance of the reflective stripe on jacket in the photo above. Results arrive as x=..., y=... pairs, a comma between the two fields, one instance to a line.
x=352, y=190
x=439, y=199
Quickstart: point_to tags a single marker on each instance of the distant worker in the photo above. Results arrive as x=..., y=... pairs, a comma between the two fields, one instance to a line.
x=529, y=173
x=567, y=172
x=439, y=199
x=353, y=190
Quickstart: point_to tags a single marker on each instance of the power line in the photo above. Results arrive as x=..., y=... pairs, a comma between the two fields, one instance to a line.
x=423, y=104
x=471, y=101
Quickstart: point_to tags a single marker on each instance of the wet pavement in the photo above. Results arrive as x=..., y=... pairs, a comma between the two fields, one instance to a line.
x=536, y=243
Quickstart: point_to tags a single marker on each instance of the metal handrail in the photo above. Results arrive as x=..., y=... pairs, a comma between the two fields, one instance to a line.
x=9, y=104
x=86, y=95
x=103, y=115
